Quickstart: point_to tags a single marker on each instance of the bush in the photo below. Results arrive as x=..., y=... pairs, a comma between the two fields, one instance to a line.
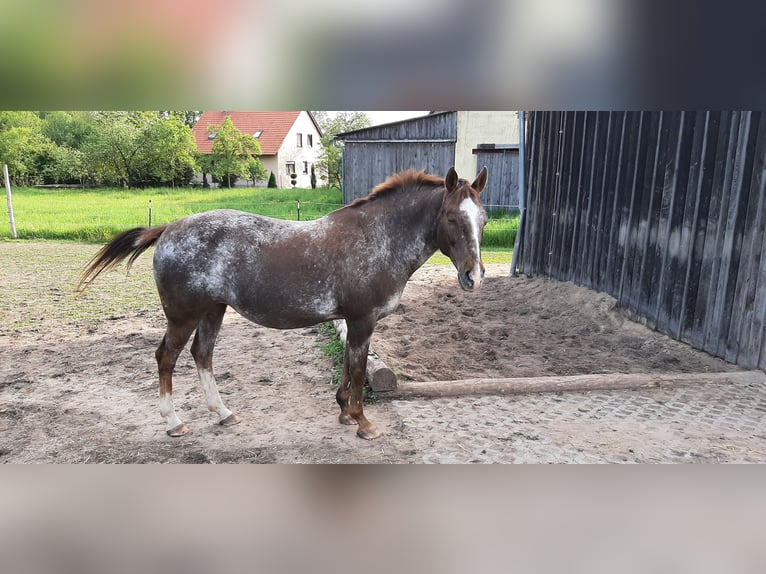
x=272, y=180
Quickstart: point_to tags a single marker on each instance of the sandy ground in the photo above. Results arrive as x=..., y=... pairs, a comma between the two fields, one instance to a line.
x=520, y=327
x=74, y=394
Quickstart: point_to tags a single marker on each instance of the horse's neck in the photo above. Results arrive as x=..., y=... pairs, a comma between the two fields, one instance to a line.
x=410, y=223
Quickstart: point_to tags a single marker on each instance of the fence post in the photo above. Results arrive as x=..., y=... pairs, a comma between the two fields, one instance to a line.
x=10, y=202
x=150, y=213
x=299, y=210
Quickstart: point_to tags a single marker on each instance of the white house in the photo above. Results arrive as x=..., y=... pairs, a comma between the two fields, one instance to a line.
x=290, y=141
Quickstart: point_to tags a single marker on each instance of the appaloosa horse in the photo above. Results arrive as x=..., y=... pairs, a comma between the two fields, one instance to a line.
x=352, y=264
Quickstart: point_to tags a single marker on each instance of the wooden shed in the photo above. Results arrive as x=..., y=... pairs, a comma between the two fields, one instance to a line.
x=434, y=143
x=665, y=211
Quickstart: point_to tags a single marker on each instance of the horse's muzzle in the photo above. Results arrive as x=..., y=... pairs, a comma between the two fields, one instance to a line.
x=470, y=280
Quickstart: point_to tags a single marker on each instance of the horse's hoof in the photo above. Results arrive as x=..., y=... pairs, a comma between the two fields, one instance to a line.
x=179, y=430
x=232, y=419
x=368, y=433
x=347, y=420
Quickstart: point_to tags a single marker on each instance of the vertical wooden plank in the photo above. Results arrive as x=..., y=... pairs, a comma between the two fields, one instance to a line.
x=695, y=215
x=641, y=287
x=622, y=201
x=659, y=207
x=607, y=190
x=534, y=180
x=718, y=281
x=551, y=186
x=581, y=192
x=629, y=229
x=676, y=252
x=710, y=258
x=743, y=226
x=555, y=205
x=596, y=195
x=569, y=191
x=543, y=191
x=755, y=227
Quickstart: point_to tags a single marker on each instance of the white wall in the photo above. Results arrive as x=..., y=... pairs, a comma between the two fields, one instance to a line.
x=291, y=152
x=474, y=128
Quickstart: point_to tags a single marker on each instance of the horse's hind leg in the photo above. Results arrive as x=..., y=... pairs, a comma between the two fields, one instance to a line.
x=172, y=344
x=202, y=351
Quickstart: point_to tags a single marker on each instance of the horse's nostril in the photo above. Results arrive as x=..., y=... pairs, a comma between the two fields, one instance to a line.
x=468, y=279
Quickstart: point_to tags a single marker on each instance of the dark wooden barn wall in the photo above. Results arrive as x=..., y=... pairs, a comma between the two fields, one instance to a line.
x=365, y=165
x=665, y=211
x=371, y=155
x=502, y=189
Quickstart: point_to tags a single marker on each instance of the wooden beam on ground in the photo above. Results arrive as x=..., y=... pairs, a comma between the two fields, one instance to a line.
x=570, y=383
x=380, y=377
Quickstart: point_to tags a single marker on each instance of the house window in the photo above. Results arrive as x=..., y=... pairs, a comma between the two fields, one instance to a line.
x=257, y=133
x=300, y=140
x=310, y=140
x=305, y=167
x=290, y=167
x=212, y=135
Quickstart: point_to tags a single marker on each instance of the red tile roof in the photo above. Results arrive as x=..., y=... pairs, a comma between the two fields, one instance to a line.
x=275, y=126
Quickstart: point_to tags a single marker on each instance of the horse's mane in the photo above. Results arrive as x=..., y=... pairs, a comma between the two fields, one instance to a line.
x=399, y=181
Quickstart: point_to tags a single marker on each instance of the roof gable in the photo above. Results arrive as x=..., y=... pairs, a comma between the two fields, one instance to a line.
x=274, y=127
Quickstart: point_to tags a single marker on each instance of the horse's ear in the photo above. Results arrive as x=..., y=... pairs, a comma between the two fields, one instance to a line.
x=481, y=180
x=450, y=182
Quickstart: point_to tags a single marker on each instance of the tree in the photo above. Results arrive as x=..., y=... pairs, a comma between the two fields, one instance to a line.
x=66, y=165
x=71, y=129
x=256, y=170
x=329, y=163
x=111, y=151
x=140, y=149
x=272, y=180
x=232, y=154
x=188, y=117
x=19, y=119
x=168, y=152
x=26, y=151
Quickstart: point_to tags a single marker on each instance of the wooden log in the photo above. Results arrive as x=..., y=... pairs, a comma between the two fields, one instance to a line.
x=379, y=376
x=571, y=383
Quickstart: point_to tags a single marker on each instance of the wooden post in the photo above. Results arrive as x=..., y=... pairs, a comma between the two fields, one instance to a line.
x=10, y=201
x=380, y=377
x=150, y=213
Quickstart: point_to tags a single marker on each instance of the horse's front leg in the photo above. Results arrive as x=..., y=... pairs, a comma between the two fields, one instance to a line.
x=351, y=390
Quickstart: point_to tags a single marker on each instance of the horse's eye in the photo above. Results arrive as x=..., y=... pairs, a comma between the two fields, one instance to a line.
x=451, y=220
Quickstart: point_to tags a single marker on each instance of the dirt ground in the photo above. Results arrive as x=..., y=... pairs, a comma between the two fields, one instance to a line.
x=521, y=327
x=76, y=391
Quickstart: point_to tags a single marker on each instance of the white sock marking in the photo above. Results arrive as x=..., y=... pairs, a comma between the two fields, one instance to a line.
x=168, y=412
x=214, y=402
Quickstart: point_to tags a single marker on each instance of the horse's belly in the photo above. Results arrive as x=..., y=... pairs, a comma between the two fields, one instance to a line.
x=285, y=310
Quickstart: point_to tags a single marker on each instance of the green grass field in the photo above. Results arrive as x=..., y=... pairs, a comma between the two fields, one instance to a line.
x=96, y=215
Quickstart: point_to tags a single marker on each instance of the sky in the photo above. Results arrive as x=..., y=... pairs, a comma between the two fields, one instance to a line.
x=377, y=118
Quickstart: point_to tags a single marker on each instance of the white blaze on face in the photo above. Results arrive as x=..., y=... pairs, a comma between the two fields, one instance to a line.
x=473, y=214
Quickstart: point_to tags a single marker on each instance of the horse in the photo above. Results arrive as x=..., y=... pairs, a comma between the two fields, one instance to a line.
x=351, y=264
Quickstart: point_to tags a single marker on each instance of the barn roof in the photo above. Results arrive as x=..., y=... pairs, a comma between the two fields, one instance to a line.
x=272, y=125
x=340, y=136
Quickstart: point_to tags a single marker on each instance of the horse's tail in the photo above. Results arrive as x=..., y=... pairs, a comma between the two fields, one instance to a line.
x=130, y=243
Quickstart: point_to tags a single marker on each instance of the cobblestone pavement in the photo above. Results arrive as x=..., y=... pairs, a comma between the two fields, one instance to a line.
x=708, y=423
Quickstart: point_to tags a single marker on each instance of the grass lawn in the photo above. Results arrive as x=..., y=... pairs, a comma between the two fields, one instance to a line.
x=96, y=215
